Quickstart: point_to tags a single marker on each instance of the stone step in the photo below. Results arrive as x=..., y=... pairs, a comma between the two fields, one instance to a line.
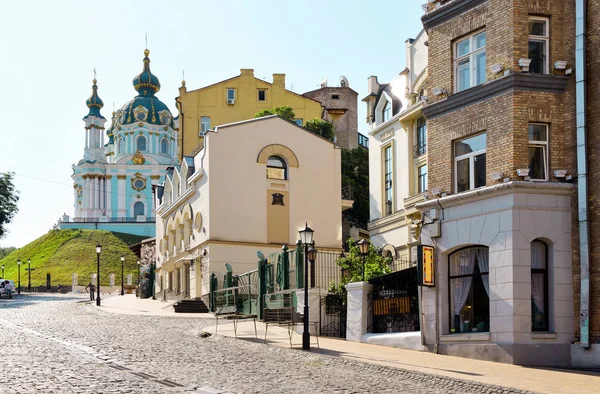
x=190, y=306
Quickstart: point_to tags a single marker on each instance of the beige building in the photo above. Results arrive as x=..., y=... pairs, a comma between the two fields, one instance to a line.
x=251, y=187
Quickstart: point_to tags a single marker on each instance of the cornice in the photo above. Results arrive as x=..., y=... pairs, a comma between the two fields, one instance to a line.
x=513, y=82
x=448, y=12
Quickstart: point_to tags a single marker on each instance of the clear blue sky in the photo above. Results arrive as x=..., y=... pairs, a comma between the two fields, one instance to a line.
x=49, y=49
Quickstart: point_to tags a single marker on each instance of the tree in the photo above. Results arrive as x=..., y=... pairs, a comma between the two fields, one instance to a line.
x=320, y=127
x=6, y=251
x=286, y=113
x=355, y=177
x=8, y=201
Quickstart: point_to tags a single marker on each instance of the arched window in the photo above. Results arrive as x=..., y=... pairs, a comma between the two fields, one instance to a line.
x=539, y=286
x=120, y=145
x=164, y=146
x=138, y=209
x=469, y=290
x=276, y=168
x=140, y=143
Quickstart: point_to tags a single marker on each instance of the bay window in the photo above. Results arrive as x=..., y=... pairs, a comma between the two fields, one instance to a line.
x=470, y=61
x=539, y=286
x=538, y=152
x=470, y=163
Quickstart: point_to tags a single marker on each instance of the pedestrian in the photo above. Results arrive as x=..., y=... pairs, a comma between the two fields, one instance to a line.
x=92, y=288
x=58, y=288
x=9, y=288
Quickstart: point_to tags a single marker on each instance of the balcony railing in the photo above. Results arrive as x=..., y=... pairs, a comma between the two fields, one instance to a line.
x=420, y=149
x=347, y=193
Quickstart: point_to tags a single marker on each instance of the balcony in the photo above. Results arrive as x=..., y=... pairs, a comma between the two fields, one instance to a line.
x=420, y=149
x=347, y=197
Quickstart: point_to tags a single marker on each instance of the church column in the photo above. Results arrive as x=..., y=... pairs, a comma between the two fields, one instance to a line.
x=95, y=192
x=122, y=209
x=84, y=188
x=108, y=195
x=91, y=192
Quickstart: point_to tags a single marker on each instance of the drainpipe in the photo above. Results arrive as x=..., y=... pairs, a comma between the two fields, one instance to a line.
x=179, y=106
x=582, y=186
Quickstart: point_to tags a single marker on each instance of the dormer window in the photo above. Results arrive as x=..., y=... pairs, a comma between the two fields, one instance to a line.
x=276, y=168
x=386, y=114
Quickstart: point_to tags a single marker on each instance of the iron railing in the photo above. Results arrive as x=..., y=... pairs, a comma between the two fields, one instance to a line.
x=420, y=149
x=347, y=193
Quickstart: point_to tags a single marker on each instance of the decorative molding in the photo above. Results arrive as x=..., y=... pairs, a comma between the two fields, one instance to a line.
x=138, y=159
x=512, y=82
x=155, y=177
x=121, y=176
x=386, y=135
x=448, y=12
x=108, y=177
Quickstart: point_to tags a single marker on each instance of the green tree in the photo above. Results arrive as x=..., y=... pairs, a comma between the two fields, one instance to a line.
x=320, y=127
x=285, y=112
x=6, y=251
x=352, y=264
x=355, y=177
x=8, y=201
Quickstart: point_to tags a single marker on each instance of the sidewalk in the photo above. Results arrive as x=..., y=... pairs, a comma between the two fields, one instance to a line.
x=542, y=380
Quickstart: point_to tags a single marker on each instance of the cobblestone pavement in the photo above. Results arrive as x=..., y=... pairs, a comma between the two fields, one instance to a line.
x=59, y=344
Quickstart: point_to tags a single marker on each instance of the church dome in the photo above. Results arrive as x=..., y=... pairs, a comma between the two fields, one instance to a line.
x=145, y=107
x=94, y=103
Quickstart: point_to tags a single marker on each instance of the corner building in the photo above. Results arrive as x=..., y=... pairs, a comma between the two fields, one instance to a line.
x=499, y=211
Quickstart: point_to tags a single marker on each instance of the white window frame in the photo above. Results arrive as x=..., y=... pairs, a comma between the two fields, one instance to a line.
x=230, y=90
x=419, y=166
x=204, y=126
x=545, y=39
x=471, y=157
x=387, y=107
x=471, y=56
x=544, y=144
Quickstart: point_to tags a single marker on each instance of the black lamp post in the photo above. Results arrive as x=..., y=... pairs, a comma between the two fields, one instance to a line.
x=3, y=270
x=363, y=245
x=306, y=237
x=19, y=268
x=29, y=269
x=122, y=271
x=98, y=251
x=138, y=290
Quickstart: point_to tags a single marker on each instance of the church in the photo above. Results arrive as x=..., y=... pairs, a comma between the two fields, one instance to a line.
x=113, y=181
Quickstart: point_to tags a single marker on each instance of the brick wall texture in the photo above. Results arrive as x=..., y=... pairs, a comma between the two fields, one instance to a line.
x=505, y=117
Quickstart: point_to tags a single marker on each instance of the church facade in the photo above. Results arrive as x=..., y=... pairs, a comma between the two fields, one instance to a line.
x=113, y=181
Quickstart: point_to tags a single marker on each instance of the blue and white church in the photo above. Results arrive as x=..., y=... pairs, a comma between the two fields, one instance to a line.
x=113, y=182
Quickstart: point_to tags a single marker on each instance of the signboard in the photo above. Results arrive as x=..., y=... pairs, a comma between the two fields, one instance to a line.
x=425, y=261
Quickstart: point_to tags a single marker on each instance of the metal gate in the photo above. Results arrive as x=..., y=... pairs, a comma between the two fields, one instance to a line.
x=333, y=315
x=394, y=302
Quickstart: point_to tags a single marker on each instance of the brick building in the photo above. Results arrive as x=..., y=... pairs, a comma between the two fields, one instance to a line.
x=502, y=213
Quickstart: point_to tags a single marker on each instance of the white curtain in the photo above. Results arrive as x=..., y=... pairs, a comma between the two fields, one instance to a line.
x=538, y=261
x=461, y=263
x=484, y=266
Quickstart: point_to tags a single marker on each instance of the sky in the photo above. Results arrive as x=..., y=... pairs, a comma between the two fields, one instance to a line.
x=49, y=50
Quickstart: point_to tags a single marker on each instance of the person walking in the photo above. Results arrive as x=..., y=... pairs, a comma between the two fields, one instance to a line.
x=9, y=288
x=92, y=290
x=58, y=288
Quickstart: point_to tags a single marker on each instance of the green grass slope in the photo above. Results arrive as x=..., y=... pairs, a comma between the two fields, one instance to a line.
x=64, y=252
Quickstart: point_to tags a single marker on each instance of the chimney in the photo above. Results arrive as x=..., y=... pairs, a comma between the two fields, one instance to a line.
x=247, y=72
x=373, y=85
x=279, y=80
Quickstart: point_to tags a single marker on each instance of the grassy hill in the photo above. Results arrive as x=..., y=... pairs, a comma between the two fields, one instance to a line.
x=64, y=252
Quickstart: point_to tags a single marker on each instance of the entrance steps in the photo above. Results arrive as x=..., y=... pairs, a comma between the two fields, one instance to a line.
x=190, y=306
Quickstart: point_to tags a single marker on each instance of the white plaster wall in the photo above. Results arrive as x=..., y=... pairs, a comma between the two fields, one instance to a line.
x=238, y=192
x=507, y=224
x=398, y=236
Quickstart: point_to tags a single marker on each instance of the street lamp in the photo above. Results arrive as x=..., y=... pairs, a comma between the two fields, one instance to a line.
x=3, y=270
x=19, y=267
x=98, y=251
x=138, y=290
x=122, y=271
x=306, y=237
x=29, y=269
x=363, y=245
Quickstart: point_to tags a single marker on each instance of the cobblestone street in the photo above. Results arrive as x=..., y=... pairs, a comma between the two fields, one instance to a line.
x=61, y=344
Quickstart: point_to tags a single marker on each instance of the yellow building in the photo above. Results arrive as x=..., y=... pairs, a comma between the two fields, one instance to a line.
x=233, y=100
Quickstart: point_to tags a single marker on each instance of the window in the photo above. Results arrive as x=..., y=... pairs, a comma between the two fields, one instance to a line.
x=164, y=146
x=298, y=122
x=539, y=286
x=388, y=171
x=469, y=290
x=138, y=209
x=386, y=114
x=538, y=45
x=262, y=95
x=335, y=96
x=204, y=124
x=276, y=168
x=470, y=62
x=538, y=152
x=422, y=179
x=120, y=145
x=230, y=95
x=421, y=145
x=469, y=163
x=140, y=143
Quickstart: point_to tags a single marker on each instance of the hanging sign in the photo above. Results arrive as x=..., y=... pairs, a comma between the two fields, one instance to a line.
x=425, y=263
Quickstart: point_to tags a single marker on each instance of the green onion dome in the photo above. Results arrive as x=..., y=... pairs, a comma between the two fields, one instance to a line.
x=94, y=103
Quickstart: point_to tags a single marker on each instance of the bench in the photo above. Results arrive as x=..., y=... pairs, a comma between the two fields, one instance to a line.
x=287, y=317
x=229, y=312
